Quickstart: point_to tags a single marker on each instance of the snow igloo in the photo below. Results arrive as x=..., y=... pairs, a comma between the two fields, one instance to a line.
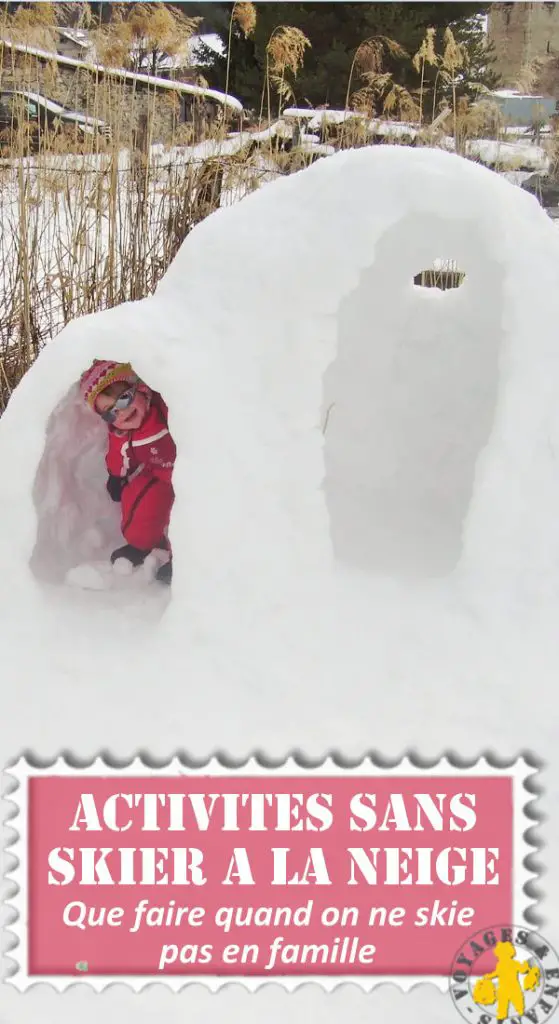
x=331, y=416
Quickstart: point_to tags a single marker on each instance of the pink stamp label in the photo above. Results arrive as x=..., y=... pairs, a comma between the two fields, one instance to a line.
x=180, y=874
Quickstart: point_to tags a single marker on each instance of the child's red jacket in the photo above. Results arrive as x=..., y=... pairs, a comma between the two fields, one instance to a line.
x=145, y=457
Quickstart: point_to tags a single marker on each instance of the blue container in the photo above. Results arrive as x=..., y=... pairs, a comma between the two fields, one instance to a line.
x=525, y=111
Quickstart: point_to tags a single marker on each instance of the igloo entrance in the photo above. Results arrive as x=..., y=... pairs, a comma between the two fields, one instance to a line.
x=409, y=400
x=78, y=526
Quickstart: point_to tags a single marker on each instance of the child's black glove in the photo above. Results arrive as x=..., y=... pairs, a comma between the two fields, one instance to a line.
x=115, y=485
x=133, y=555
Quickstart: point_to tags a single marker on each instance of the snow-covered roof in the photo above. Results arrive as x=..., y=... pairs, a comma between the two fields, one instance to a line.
x=57, y=108
x=160, y=83
x=509, y=94
x=76, y=35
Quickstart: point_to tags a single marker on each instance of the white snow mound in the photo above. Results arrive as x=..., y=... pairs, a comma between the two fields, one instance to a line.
x=330, y=415
x=366, y=528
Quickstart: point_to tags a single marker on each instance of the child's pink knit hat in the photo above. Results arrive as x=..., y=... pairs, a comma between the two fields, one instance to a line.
x=101, y=374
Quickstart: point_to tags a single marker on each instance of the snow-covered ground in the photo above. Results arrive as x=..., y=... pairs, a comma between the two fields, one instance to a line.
x=366, y=531
x=508, y=156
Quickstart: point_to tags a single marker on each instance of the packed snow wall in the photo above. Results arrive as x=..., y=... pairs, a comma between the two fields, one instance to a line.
x=326, y=410
x=408, y=431
x=410, y=397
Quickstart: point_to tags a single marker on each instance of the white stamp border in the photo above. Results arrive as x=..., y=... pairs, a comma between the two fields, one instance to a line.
x=519, y=770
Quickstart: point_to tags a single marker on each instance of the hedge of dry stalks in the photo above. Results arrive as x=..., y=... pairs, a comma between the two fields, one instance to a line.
x=87, y=224
x=76, y=239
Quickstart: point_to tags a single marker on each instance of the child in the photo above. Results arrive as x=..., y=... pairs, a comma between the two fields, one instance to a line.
x=139, y=459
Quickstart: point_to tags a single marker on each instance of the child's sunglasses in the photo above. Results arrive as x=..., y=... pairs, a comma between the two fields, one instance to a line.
x=123, y=402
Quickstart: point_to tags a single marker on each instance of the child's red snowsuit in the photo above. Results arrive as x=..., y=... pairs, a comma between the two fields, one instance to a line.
x=144, y=456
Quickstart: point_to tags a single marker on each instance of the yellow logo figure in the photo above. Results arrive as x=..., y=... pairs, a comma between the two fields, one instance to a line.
x=503, y=984
x=524, y=984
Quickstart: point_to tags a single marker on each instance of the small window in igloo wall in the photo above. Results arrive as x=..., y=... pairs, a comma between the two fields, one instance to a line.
x=444, y=275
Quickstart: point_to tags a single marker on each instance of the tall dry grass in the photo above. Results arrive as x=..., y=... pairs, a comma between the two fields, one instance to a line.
x=85, y=233
x=88, y=222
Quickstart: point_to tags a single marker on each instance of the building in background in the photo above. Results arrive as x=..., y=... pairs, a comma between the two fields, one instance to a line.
x=74, y=42
x=522, y=34
x=150, y=107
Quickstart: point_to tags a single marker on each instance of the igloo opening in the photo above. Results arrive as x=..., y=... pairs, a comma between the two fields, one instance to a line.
x=409, y=399
x=78, y=526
